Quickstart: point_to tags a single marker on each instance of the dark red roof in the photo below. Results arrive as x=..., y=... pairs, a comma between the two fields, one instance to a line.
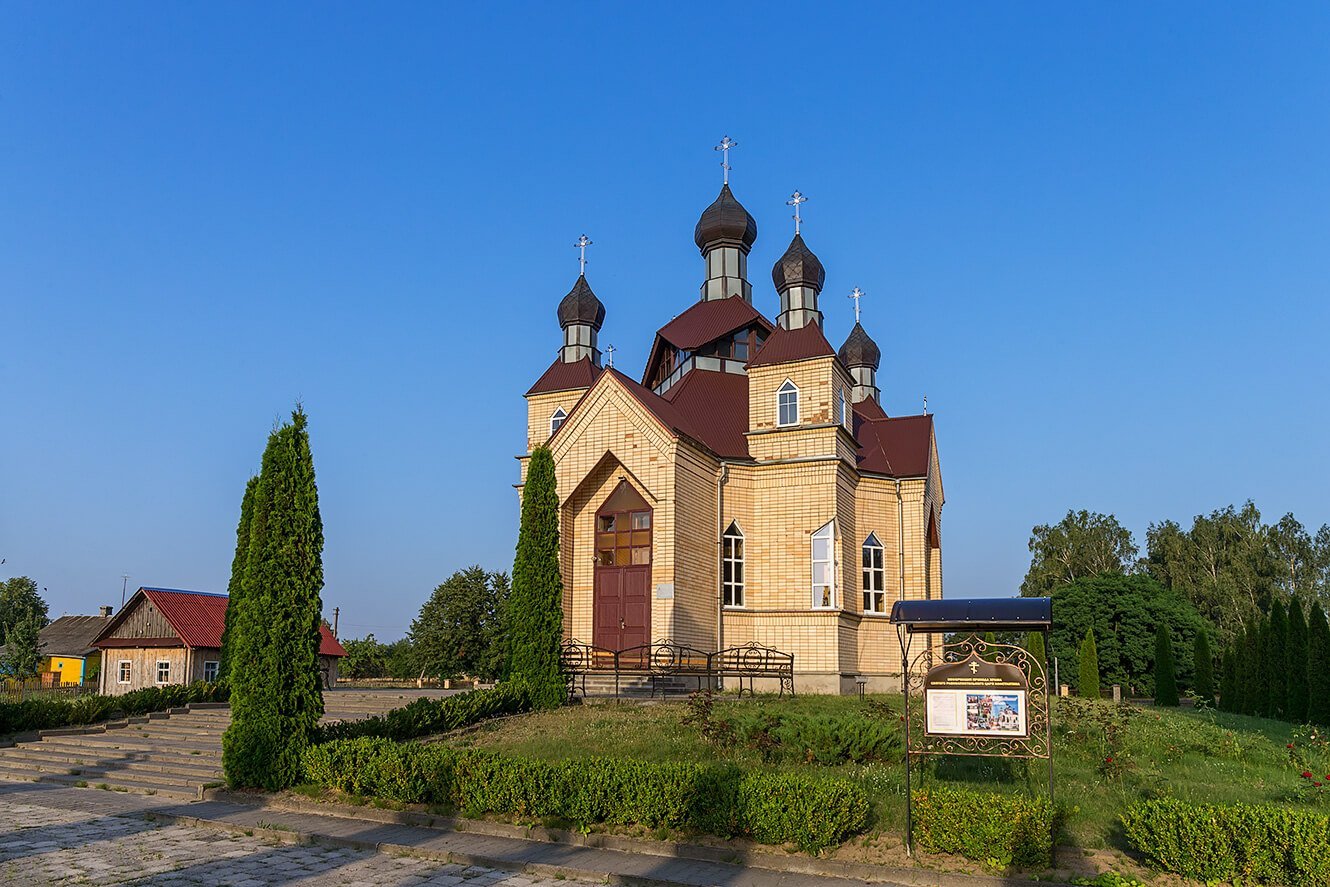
x=566, y=376
x=899, y=447
x=707, y=321
x=869, y=409
x=715, y=405
x=785, y=346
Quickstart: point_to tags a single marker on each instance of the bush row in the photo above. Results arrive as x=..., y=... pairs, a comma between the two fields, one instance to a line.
x=773, y=808
x=1228, y=843
x=1002, y=830
x=49, y=713
x=426, y=716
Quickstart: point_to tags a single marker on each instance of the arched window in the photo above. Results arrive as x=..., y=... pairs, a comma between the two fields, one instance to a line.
x=732, y=567
x=875, y=576
x=557, y=419
x=824, y=567
x=787, y=404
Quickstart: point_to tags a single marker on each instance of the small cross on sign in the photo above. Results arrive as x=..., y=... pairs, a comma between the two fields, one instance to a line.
x=795, y=199
x=582, y=243
x=724, y=148
x=974, y=668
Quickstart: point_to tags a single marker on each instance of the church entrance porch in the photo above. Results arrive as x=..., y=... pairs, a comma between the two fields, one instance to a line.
x=621, y=607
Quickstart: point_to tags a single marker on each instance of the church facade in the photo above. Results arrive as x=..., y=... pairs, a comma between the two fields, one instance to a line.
x=748, y=486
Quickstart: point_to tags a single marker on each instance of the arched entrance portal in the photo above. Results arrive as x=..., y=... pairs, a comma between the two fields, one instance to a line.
x=622, y=603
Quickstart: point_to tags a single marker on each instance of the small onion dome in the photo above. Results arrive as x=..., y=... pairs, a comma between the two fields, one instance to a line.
x=798, y=267
x=725, y=223
x=859, y=349
x=581, y=306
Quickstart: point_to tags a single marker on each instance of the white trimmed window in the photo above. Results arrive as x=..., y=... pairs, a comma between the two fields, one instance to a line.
x=163, y=671
x=732, y=563
x=787, y=404
x=210, y=670
x=824, y=567
x=557, y=419
x=875, y=576
x=126, y=668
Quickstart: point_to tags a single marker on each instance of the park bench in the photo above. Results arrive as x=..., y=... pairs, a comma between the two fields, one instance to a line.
x=665, y=663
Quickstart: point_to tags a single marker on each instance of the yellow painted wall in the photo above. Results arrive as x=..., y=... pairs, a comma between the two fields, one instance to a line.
x=70, y=668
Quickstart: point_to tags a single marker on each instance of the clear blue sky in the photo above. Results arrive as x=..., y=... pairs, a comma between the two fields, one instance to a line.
x=1096, y=236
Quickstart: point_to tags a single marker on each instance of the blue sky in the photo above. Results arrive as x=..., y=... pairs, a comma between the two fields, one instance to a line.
x=1095, y=236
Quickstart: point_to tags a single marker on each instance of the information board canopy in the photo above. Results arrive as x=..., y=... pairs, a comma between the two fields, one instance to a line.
x=977, y=614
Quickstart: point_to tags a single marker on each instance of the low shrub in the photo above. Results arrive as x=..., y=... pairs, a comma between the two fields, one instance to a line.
x=1216, y=842
x=779, y=735
x=426, y=716
x=1000, y=830
x=49, y=714
x=718, y=799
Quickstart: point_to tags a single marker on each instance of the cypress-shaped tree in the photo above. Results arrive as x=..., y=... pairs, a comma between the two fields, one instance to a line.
x=1228, y=683
x=1166, y=681
x=1261, y=656
x=1203, y=668
x=1034, y=645
x=1296, y=709
x=234, y=588
x=1249, y=663
x=1276, y=660
x=1318, y=668
x=1088, y=684
x=536, y=606
x=276, y=687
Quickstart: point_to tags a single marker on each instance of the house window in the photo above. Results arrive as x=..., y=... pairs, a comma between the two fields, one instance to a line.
x=875, y=576
x=163, y=671
x=210, y=671
x=732, y=561
x=787, y=404
x=125, y=666
x=824, y=567
x=844, y=411
x=557, y=419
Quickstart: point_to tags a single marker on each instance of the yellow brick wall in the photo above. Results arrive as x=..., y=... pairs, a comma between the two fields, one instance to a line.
x=540, y=408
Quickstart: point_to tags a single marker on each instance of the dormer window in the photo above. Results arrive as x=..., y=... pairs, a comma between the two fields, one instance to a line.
x=557, y=419
x=787, y=404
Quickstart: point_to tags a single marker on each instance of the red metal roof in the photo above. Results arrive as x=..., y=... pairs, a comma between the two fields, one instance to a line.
x=566, y=376
x=784, y=346
x=869, y=409
x=899, y=447
x=707, y=321
x=715, y=405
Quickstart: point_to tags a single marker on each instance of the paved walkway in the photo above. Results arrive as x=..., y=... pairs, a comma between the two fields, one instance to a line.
x=57, y=835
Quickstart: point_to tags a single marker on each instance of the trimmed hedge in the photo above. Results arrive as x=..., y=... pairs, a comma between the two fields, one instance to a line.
x=1220, y=842
x=49, y=714
x=773, y=808
x=1002, y=830
x=426, y=716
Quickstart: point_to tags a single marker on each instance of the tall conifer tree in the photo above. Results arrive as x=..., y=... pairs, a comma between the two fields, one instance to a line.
x=1296, y=710
x=1034, y=645
x=1249, y=673
x=234, y=588
x=535, y=634
x=1166, y=682
x=1261, y=692
x=1203, y=668
x=1228, y=683
x=1318, y=668
x=1088, y=684
x=276, y=695
x=1276, y=660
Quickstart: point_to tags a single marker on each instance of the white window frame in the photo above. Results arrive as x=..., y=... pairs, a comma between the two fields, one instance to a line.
x=557, y=420
x=874, y=568
x=160, y=663
x=787, y=389
x=216, y=667
x=823, y=594
x=123, y=674
x=732, y=589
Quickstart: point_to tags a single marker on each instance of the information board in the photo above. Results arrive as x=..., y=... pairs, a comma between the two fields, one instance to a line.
x=976, y=698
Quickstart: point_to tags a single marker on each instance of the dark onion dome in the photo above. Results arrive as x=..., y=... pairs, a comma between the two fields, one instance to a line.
x=798, y=267
x=725, y=223
x=581, y=306
x=859, y=349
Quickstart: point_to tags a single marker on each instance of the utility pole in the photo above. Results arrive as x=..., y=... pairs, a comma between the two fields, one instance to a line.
x=124, y=584
x=337, y=611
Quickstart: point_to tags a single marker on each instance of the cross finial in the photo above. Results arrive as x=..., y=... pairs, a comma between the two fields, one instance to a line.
x=724, y=148
x=582, y=243
x=795, y=199
x=856, y=295
x=925, y=404
x=609, y=356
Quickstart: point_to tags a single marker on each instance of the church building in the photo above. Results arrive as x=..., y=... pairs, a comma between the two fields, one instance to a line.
x=748, y=486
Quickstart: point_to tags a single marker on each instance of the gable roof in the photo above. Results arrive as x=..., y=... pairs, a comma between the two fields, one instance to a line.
x=898, y=447
x=71, y=635
x=715, y=405
x=785, y=346
x=566, y=376
x=702, y=323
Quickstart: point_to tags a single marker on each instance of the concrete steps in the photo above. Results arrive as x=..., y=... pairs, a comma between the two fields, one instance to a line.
x=635, y=686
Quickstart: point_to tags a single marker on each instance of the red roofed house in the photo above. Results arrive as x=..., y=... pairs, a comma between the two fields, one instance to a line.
x=168, y=636
x=749, y=486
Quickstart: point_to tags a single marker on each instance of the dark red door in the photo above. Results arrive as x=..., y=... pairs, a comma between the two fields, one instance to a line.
x=621, y=607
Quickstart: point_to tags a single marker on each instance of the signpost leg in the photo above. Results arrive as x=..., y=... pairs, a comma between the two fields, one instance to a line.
x=905, y=689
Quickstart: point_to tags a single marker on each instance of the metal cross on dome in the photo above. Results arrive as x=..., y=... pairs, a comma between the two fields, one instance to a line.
x=582, y=243
x=609, y=356
x=724, y=148
x=795, y=199
x=856, y=295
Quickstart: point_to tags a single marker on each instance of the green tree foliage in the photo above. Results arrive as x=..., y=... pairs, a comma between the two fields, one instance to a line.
x=402, y=660
x=1124, y=612
x=235, y=588
x=1228, y=683
x=458, y=629
x=276, y=696
x=535, y=625
x=22, y=652
x=365, y=658
x=1166, y=683
x=1034, y=645
x=1295, y=708
x=1088, y=680
x=1249, y=671
x=1203, y=668
x=1276, y=660
x=1318, y=668
x=1081, y=545
x=20, y=602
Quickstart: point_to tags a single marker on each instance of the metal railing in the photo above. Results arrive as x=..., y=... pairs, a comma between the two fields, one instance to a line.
x=666, y=660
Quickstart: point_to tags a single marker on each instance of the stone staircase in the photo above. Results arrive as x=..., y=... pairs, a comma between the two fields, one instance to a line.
x=174, y=754
x=601, y=685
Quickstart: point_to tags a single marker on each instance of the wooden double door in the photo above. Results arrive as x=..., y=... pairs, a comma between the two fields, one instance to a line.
x=621, y=606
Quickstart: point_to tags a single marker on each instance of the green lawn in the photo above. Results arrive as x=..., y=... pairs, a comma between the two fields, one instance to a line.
x=1195, y=756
